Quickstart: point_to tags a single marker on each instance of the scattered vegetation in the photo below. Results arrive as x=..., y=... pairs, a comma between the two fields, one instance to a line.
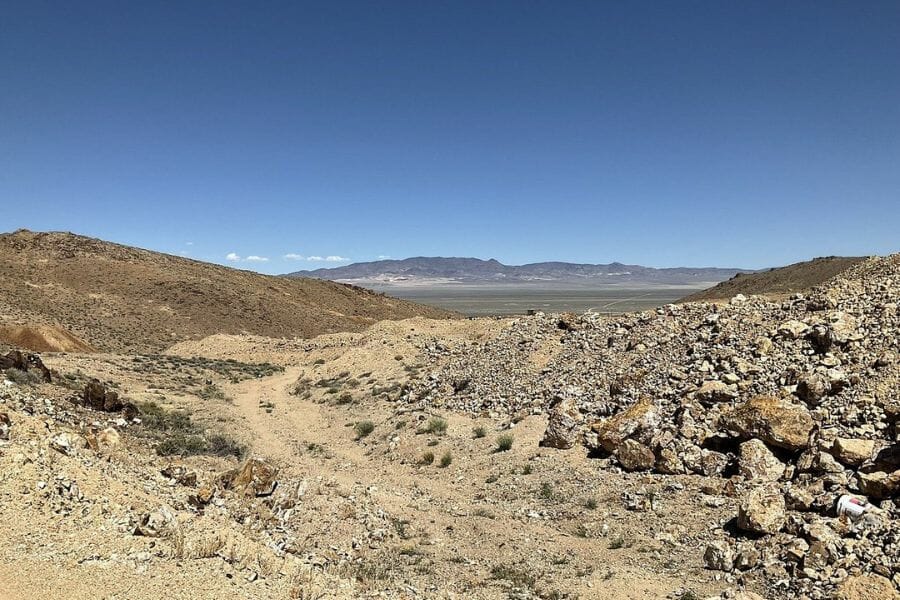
x=177, y=435
x=446, y=459
x=427, y=458
x=190, y=371
x=504, y=442
x=211, y=391
x=590, y=504
x=518, y=576
x=479, y=432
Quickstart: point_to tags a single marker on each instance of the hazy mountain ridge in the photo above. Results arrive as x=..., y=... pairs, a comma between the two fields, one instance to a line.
x=474, y=270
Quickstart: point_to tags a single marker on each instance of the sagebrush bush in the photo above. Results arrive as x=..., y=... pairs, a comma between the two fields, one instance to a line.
x=504, y=442
x=363, y=428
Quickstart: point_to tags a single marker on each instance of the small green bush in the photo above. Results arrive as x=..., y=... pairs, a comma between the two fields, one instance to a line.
x=590, y=504
x=446, y=459
x=363, y=428
x=504, y=442
x=437, y=426
x=428, y=458
x=479, y=432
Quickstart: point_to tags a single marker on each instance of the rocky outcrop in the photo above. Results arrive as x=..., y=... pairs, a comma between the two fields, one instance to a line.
x=256, y=477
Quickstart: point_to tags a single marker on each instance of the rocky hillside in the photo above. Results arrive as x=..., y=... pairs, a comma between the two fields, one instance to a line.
x=797, y=277
x=116, y=297
x=473, y=270
x=790, y=404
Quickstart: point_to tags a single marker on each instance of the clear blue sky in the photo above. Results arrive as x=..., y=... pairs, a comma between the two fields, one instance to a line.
x=662, y=133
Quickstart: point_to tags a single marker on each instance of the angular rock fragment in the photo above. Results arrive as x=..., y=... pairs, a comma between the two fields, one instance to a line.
x=634, y=456
x=255, y=477
x=640, y=417
x=853, y=452
x=773, y=420
x=762, y=510
x=758, y=463
x=563, y=425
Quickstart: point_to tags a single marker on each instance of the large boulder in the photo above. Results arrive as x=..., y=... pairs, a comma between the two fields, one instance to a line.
x=880, y=484
x=255, y=477
x=866, y=587
x=563, y=425
x=642, y=416
x=844, y=327
x=762, y=510
x=792, y=329
x=718, y=556
x=634, y=456
x=716, y=391
x=757, y=463
x=852, y=451
x=96, y=396
x=775, y=421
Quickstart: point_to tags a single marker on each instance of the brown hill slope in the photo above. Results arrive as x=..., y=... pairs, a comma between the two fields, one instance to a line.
x=43, y=338
x=782, y=280
x=116, y=297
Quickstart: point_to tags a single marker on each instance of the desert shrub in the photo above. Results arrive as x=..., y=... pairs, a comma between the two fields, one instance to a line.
x=547, y=491
x=527, y=469
x=179, y=444
x=590, y=504
x=479, y=432
x=363, y=428
x=221, y=445
x=211, y=392
x=446, y=459
x=21, y=377
x=437, y=426
x=345, y=398
x=427, y=458
x=504, y=442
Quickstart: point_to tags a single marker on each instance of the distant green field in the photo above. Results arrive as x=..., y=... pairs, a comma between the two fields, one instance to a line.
x=483, y=300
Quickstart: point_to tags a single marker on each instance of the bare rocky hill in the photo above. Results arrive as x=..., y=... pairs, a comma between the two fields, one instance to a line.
x=781, y=280
x=116, y=297
x=792, y=404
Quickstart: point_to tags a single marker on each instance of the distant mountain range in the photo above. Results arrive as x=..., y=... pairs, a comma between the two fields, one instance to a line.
x=448, y=271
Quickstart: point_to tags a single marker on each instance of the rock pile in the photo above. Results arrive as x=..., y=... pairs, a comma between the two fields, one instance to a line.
x=794, y=402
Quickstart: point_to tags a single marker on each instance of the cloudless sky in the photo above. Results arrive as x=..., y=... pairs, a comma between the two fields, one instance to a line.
x=662, y=133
